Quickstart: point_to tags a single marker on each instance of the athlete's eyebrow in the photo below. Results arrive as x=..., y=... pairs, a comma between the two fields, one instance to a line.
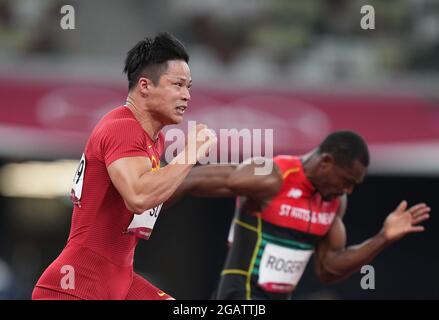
x=184, y=79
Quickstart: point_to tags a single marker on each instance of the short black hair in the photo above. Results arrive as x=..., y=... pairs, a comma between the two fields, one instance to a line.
x=345, y=147
x=149, y=57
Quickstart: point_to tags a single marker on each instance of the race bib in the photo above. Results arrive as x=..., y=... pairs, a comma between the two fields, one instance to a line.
x=142, y=224
x=78, y=180
x=281, y=268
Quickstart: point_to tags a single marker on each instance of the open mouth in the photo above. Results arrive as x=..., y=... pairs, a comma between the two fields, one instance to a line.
x=181, y=109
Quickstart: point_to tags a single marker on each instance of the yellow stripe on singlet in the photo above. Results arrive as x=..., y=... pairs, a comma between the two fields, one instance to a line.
x=246, y=225
x=258, y=231
x=290, y=171
x=239, y=271
x=255, y=254
x=234, y=271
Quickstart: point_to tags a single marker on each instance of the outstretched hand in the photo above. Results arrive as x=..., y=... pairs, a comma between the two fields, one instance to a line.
x=403, y=221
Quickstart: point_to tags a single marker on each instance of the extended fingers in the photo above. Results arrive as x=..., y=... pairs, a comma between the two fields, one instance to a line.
x=417, y=207
x=416, y=229
x=419, y=210
x=420, y=218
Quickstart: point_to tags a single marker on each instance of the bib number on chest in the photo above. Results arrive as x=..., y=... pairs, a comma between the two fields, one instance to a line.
x=281, y=268
x=142, y=224
x=78, y=181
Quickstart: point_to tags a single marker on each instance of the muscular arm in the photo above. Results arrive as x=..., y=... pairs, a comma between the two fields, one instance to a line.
x=141, y=188
x=244, y=182
x=334, y=262
x=230, y=181
x=208, y=181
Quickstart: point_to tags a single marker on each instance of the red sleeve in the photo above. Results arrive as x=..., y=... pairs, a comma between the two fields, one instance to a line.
x=122, y=138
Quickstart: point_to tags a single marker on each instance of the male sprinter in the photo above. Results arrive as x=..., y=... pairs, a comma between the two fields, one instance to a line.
x=297, y=210
x=119, y=187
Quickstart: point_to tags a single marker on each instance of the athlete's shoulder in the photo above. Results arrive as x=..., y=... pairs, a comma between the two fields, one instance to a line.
x=283, y=157
x=119, y=114
x=119, y=120
x=287, y=162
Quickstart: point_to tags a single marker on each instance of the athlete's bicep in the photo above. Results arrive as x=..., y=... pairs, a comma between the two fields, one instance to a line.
x=125, y=175
x=334, y=241
x=330, y=246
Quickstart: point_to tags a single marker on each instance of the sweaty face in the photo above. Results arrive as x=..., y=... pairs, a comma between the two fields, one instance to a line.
x=337, y=180
x=169, y=98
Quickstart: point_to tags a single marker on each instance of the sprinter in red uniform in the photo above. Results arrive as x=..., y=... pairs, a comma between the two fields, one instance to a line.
x=296, y=210
x=118, y=189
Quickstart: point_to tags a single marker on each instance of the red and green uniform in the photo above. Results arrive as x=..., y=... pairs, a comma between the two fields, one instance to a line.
x=270, y=249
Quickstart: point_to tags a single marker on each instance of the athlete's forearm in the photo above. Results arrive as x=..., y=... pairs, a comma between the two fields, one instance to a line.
x=204, y=181
x=209, y=181
x=340, y=265
x=226, y=180
x=155, y=187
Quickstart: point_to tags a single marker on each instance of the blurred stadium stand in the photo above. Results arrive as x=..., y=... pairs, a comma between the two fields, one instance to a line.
x=303, y=68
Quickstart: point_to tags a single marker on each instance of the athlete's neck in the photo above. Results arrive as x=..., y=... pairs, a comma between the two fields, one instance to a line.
x=309, y=163
x=151, y=125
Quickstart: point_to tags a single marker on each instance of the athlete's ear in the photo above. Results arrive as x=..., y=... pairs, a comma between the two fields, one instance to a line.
x=326, y=160
x=144, y=85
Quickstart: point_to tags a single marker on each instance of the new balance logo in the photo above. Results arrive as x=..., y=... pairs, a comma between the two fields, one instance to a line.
x=295, y=193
